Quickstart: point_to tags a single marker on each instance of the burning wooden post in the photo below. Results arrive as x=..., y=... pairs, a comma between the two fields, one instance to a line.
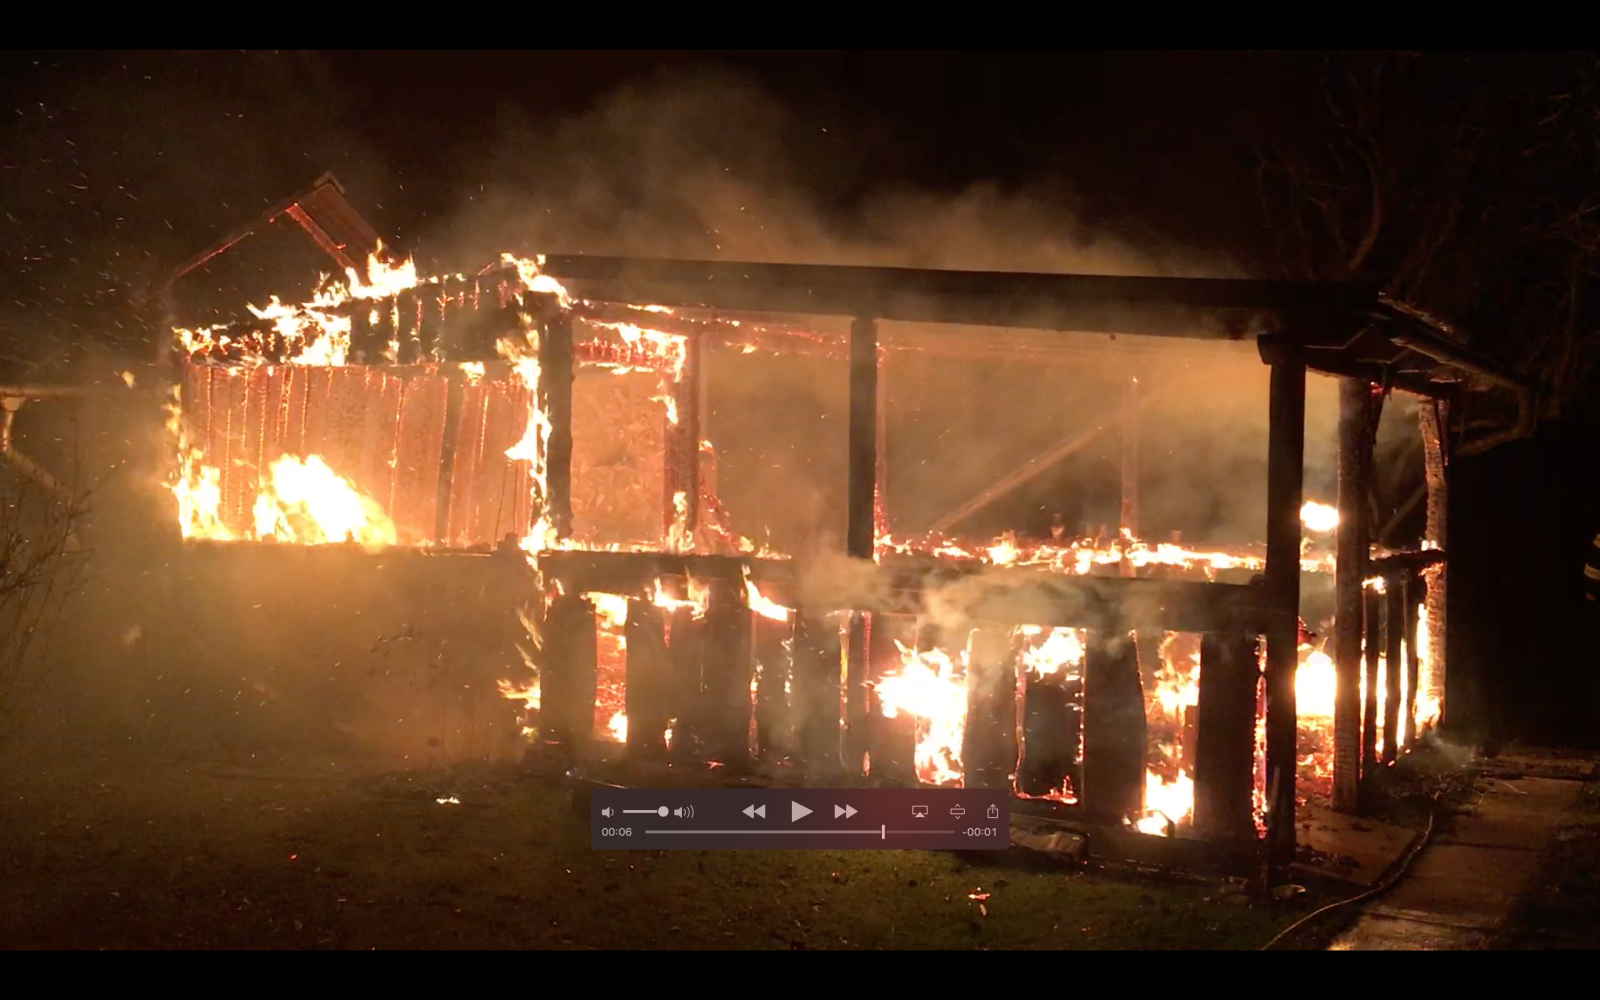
x=447, y=455
x=555, y=386
x=861, y=503
x=816, y=691
x=1230, y=673
x=1130, y=460
x=988, y=747
x=647, y=693
x=1434, y=420
x=567, y=672
x=1394, y=661
x=1357, y=430
x=1369, y=711
x=728, y=670
x=893, y=739
x=1414, y=590
x=1285, y=469
x=774, y=718
x=682, y=472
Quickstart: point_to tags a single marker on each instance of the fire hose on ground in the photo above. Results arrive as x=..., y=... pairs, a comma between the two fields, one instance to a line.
x=1382, y=887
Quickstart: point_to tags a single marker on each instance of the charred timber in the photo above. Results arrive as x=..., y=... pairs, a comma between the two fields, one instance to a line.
x=727, y=672
x=1400, y=565
x=817, y=659
x=1394, y=618
x=686, y=653
x=1185, y=307
x=555, y=386
x=774, y=720
x=1230, y=673
x=647, y=691
x=1114, y=728
x=1286, y=418
x=988, y=751
x=567, y=672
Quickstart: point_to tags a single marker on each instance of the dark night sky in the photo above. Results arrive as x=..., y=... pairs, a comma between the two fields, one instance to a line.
x=112, y=163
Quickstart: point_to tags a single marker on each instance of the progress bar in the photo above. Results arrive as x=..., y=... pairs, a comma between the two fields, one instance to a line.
x=880, y=832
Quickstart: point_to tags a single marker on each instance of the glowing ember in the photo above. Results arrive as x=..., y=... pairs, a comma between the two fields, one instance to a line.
x=761, y=604
x=618, y=727
x=611, y=610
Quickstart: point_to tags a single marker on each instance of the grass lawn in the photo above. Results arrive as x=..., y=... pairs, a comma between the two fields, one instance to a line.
x=129, y=854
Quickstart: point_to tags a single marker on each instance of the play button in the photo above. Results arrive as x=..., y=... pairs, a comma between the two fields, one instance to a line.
x=754, y=811
x=797, y=812
x=845, y=811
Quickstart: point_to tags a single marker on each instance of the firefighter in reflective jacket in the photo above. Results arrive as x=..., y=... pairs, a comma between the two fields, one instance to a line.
x=1591, y=571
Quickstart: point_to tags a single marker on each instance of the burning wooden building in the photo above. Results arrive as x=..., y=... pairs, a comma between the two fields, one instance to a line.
x=546, y=416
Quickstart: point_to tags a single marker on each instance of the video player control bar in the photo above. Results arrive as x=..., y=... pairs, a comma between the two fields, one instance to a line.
x=807, y=818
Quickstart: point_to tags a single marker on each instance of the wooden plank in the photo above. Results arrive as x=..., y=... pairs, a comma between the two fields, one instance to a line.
x=567, y=666
x=989, y=750
x=1357, y=428
x=686, y=654
x=728, y=669
x=1114, y=729
x=1224, y=761
x=774, y=721
x=555, y=378
x=817, y=659
x=646, y=691
x=1373, y=603
x=1415, y=590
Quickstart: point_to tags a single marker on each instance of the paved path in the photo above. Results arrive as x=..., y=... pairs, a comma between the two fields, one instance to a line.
x=1463, y=884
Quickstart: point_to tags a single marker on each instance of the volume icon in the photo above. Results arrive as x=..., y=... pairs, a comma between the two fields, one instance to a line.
x=608, y=812
x=684, y=812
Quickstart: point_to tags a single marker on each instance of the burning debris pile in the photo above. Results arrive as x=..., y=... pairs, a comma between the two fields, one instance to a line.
x=501, y=412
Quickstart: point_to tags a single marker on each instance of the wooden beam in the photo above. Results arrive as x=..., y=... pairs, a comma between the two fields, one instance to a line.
x=447, y=458
x=861, y=503
x=683, y=445
x=1130, y=460
x=774, y=719
x=727, y=671
x=1181, y=307
x=686, y=655
x=1285, y=469
x=1357, y=430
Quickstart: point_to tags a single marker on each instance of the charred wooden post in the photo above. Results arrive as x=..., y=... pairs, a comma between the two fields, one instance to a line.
x=816, y=691
x=1415, y=588
x=567, y=667
x=447, y=457
x=861, y=503
x=1394, y=618
x=686, y=653
x=775, y=737
x=1052, y=729
x=647, y=695
x=1224, y=763
x=1114, y=728
x=1285, y=469
x=1130, y=460
x=1369, y=710
x=988, y=749
x=555, y=389
x=1357, y=430
x=728, y=669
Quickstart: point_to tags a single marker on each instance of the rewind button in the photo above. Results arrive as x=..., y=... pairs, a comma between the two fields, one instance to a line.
x=755, y=812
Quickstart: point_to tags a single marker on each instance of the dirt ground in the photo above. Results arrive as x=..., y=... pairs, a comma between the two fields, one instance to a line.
x=126, y=851
x=1561, y=910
